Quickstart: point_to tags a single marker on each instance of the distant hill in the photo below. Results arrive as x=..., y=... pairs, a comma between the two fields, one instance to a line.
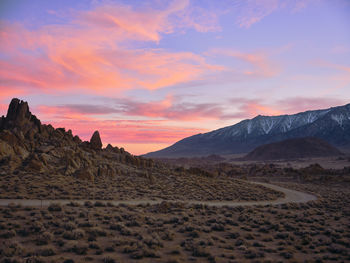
x=331, y=125
x=293, y=149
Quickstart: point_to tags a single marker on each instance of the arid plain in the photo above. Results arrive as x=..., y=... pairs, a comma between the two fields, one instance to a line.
x=175, y=210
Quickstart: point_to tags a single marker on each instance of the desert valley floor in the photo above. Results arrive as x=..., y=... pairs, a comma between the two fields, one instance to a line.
x=67, y=200
x=98, y=231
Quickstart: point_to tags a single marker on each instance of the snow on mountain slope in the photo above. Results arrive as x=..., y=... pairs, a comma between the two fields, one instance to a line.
x=331, y=125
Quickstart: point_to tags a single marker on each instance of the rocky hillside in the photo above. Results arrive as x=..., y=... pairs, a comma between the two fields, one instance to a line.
x=39, y=161
x=331, y=125
x=28, y=145
x=293, y=149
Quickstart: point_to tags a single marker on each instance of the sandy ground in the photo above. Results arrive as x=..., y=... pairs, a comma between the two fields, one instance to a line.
x=291, y=196
x=315, y=231
x=326, y=162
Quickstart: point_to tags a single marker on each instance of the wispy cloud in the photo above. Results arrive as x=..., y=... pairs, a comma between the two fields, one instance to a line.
x=170, y=108
x=298, y=104
x=91, y=51
x=248, y=108
x=259, y=63
x=250, y=12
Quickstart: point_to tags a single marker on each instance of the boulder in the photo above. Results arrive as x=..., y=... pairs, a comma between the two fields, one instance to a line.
x=21, y=152
x=9, y=137
x=45, y=148
x=95, y=141
x=35, y=164
x=109, y=148
x=5, y=149
x=85, y=174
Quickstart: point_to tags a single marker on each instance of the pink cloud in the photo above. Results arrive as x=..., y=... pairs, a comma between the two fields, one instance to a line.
x=300, y=104
x=249, y=108
x=169, y=108
x=91, y=52
x=259, y=62
x=142, y=135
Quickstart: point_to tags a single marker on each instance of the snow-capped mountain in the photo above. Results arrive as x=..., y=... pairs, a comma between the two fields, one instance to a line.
x=331, y=125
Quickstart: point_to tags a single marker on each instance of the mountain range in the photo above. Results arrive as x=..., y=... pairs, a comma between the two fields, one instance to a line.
x=331, y=125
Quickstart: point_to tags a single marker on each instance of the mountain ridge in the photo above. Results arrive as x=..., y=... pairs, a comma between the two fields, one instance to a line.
x=331, y=125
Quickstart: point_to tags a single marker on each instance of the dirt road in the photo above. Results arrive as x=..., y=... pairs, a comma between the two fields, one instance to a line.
x=291, y=196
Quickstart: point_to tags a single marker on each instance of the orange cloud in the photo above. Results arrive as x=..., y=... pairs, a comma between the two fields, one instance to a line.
x=256, y=109
x=91, y=52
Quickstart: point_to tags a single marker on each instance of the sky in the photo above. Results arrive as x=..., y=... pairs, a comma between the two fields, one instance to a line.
x=149, y=73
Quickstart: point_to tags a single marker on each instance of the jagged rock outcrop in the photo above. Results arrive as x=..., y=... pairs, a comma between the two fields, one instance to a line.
x=20, y=119
x=27, y=145
x=95, y=141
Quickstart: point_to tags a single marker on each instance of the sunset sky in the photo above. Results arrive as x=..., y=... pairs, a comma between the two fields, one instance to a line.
x=148, y=73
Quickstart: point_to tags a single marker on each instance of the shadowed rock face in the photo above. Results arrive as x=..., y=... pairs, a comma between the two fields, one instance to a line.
x=27, y=145
x=19, y=117
x=95, y=141
x=18, y=111
x=292, y=149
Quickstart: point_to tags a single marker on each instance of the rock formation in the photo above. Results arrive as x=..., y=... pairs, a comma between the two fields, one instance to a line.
x=95, y=141
x=27, y=145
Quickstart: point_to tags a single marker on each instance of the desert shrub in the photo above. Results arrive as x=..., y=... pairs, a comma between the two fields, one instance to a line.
x=48, y=251
x=10, y=260
x=127, y=249
x=85, y=224
x=97, y=232
x=218, y=227
x=12, y=249
x=109, y=249
x=37, y=226
x=167, y=235
x=94, y=245
x=44, y=238
x=286, y=255
x=35, y=259
x=233, y=235
x=77, y=248
x=99, y=204
x=55, y=207
x=74, y=204
x=69, y=226
x=74, y=235
x=200, y=252
x=8, y=234
x=153, y=242
x=194, y=234
x=78, y=233
x=144, y=253
x=88, y=204
x=108, y=260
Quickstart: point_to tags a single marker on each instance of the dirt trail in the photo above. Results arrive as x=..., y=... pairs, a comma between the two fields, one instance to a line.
x=291, y=196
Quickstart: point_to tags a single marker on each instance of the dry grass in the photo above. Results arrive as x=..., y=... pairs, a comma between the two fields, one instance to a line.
x=131, y=186
x=316, y=231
